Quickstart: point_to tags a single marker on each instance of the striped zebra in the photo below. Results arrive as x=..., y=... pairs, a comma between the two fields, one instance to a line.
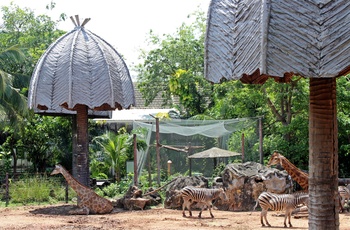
x=280, y=202
x=344, y=194
x=204, y=196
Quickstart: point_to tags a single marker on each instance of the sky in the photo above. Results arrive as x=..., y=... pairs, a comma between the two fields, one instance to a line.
x=122, y=23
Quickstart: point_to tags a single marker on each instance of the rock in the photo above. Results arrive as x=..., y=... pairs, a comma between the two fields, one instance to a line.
x=245, y=182
x=135, y=203
x=132, y=200
x=154, y=197
x=173, y=198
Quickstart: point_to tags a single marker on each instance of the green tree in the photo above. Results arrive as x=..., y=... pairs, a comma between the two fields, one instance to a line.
x=343, y=114
x=32, y=33
x=13, y=104
x=175, y=68
x=28, y=36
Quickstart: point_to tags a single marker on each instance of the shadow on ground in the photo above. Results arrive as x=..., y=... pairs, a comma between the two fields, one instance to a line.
x=54, y=210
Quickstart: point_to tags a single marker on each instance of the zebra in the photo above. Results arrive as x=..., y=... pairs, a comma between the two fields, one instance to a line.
x=200, y=195
x=344, y=194
x=280, y=202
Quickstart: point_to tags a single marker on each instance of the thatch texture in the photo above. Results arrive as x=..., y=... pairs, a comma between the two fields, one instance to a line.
x=252, y=40
x=81, y=68
x=215, y=153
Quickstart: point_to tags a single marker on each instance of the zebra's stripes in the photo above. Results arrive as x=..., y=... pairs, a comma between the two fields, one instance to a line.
x=204, y=196
x=280, y=202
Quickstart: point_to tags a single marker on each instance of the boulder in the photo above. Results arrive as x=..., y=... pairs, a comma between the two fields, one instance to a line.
x=133, y=200
x=244, y=182
x=173, y=198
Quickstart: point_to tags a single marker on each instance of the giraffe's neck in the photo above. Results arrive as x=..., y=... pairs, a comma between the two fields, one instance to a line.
x=293, y=171
x=73, y=183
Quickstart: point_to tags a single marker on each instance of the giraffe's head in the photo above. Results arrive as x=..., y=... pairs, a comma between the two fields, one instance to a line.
x=274, y=159
x=58, y=169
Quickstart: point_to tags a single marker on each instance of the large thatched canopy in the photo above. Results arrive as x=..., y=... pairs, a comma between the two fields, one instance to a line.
x=253, y=40
x=80, y=72
x=81, y=68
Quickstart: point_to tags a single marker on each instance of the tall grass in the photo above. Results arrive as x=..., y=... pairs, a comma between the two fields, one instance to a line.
x=38, y=189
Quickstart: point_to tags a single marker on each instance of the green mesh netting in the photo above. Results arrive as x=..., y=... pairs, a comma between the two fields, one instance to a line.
x=192, y=136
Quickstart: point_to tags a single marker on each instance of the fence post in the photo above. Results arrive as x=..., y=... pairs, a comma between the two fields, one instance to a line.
x=67, y=192
x=7, y=195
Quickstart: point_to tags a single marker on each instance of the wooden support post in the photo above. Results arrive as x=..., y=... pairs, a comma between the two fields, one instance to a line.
x=169, y=167
x=242, y=140
x=67, y=193
x=7, y=194
x=261, y=142
x=135, y=161
x=190, y=164
x=158, y=151
x=149, y=169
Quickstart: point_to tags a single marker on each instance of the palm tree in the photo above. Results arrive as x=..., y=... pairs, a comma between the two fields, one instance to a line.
x=116, y=148
x=13, y=104
x=119, y=148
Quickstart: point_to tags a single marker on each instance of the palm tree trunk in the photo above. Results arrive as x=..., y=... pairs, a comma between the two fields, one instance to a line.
x=82, y=148
x=323, y=156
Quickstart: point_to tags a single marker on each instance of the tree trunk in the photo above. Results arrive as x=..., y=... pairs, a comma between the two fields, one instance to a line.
x=82, y=148
x=323, y=155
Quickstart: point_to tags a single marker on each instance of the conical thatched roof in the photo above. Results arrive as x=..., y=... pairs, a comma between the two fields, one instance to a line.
x=81, y=68
x=251, y=40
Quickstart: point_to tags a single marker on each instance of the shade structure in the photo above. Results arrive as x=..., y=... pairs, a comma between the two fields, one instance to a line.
x=254, y=40
x=81, y=68
x=214, y=153
x=80, y=72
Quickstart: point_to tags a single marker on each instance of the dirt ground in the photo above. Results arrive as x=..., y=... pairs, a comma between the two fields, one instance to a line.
x=56, y=217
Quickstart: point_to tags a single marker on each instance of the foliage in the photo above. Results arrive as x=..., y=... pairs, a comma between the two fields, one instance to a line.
x=343, y=98
x=30, y=32
x=38, y=189
x=175, y=68
x=27, y=36
x=47, y=138
x=115, y=190
x=219, y=169
x=284, y=111
x=13, y=104
x=117, y=149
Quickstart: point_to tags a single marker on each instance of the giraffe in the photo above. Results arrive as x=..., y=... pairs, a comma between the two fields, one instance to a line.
x=299, y=176
x=89, y=201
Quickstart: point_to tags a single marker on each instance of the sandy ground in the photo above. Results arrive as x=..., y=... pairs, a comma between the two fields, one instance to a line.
x=56, y=217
